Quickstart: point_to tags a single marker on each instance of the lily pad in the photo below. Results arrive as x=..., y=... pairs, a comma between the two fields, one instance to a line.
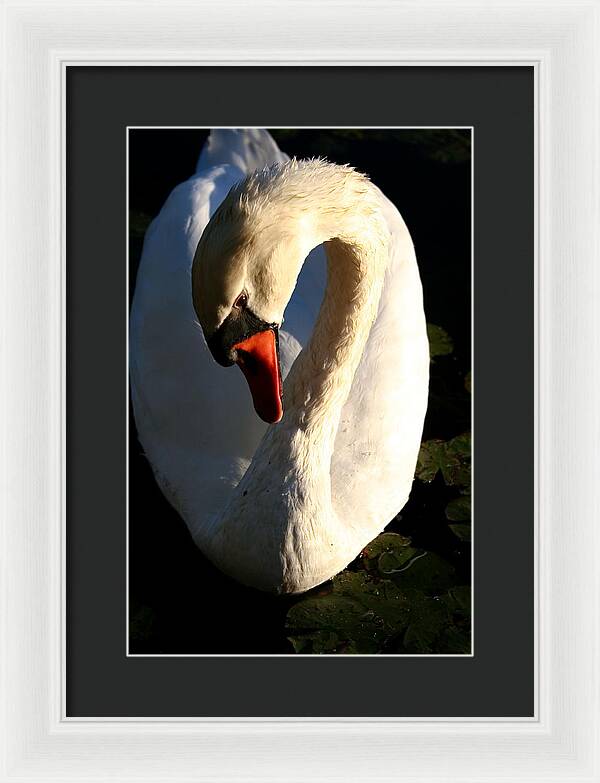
x=388, y=552
x=459, y=509
x=456, y=636
x=366, y=614
x=440, y=342
x=379, y=596
x=358, y=617
x=384, y=542
x=428, y=572
x=440, y=624
x=461, y=531
x=460, y=445
x=458, y=599
x=427, y=619
x=333, y=624
x=431, y=457
x=456, y=467
x=452, y=458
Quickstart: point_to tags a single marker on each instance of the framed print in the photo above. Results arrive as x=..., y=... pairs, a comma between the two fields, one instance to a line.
x=119, y=661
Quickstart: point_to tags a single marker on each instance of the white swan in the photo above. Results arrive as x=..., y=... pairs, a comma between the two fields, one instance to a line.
x=281, y=507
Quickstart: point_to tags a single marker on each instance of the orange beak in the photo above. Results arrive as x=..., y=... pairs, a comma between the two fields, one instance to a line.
x=258, y=359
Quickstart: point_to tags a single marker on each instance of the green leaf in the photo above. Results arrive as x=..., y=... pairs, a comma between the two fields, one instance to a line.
x=440, y=342
x=384, y=543
x=460, y=445
x=452, y=458
x=340, y=623
x=364, y=613
x=431, y=457
x=458, y=599
x=461, y=531
x=317, y=642
x=456, y=466
x=387, y=552
x=456, y=637
x=330, y=623
x=441, y=624
x=428, y=618
x=392, y=562
x=361, y=615
x=428, y=572
x=380, y=596
x=459, y=509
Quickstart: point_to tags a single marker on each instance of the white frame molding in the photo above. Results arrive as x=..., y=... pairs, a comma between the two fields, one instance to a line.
x=560, y=39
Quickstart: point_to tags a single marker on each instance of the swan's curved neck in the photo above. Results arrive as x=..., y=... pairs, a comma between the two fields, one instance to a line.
x=319, y=203
x=298, y=207
x=319, y=382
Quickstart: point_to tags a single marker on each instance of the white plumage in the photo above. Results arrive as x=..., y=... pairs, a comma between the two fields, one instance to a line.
x=327, y=479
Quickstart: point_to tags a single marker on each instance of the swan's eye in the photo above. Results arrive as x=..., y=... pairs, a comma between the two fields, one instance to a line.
x=241, y=301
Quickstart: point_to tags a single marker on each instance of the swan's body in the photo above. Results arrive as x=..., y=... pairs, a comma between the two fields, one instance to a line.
x=286, y=506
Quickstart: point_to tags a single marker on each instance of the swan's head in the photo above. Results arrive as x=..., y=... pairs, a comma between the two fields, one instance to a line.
x=243, y=275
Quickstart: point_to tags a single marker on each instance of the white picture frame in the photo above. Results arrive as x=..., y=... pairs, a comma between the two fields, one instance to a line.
x=559, y=39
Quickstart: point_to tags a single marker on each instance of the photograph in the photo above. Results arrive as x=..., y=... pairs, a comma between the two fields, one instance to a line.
x=315, y=499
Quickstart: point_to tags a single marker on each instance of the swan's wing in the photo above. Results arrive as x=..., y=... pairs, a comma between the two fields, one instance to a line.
x=380, y=430
x=182, y=401
x=195, y=419
x=247, y=149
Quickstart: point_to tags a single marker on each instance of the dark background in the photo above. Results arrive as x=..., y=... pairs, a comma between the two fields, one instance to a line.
x=179, y=603
x=499, y=679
